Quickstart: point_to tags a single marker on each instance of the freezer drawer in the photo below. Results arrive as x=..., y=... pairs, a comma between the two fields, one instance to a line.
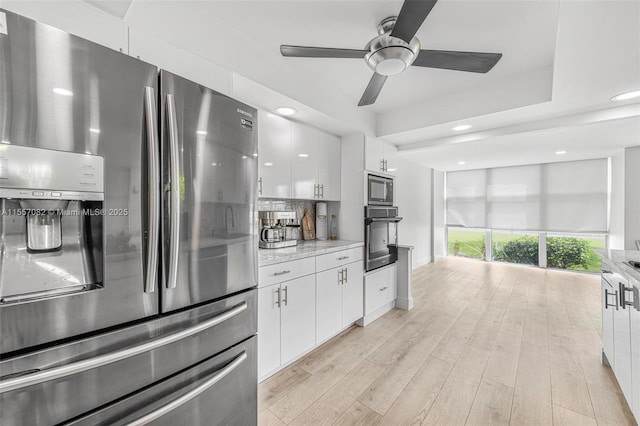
x=219, y=391
x=61, y=383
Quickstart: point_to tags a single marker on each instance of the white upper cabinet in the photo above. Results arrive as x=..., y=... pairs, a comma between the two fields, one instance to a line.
x=304, y=161
x=329, y=166
x=380, y=156
x=297, y=161
x=274, y=160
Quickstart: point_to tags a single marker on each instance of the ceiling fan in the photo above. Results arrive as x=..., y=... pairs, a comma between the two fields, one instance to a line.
x=396, y=48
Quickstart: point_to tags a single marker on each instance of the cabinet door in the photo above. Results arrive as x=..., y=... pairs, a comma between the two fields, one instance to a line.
x=374, y=153
x=274, y=159
x=328, y=304
x=329, y=166
x=298, y=317
x=622, y=345
x=609, y=303
x=353, y=294
x=391, y=158
x=268, y=330
x=304, y=161
x=635, y=352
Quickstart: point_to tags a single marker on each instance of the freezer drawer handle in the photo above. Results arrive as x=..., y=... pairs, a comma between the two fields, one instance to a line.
x=154, y=415
x=154, y=210
x=49, y=374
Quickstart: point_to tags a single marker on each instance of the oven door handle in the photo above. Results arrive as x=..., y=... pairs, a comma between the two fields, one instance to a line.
x=54, y=373
x=370, y=220
x=154, y=415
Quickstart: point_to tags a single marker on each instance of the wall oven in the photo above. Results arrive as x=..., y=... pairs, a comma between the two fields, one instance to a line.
x=381, y=236
x=379, y=191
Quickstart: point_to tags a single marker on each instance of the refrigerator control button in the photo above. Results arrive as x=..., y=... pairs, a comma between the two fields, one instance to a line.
x=56, y=194
x=37, y=194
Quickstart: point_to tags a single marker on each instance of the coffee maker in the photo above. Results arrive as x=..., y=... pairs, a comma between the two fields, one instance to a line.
x=278, y=229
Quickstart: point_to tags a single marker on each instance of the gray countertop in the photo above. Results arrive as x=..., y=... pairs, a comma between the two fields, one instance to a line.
x=616, y=258
x=304, y=249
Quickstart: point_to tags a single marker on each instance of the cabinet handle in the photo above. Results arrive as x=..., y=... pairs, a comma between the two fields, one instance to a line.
x=606, y=299
x=279, y=300
x=346, y=275
x=341, y=276
x=606, y=271
x=343, y=257
x=623, y=299
x=382, y=165
x=383, y=288
x=286, y=295
x=260, y=186
x=322, y=191
x=276, y=274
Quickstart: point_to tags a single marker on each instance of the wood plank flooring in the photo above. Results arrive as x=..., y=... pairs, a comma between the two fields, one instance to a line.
x=486, y=344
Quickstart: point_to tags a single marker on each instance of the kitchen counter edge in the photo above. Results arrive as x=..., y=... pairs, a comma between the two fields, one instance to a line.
x=616, y=259
x=303, y=250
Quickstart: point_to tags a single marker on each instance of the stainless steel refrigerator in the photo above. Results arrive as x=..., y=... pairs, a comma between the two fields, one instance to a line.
x=128, y=254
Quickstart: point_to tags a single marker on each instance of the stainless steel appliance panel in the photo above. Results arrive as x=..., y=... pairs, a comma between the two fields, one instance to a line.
x=58, y=384
x=210, y=176
x=219, y=391
x=381, y=236
x=60, y=92
x=379, y=190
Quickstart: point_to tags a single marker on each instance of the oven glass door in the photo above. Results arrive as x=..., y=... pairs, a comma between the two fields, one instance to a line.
x=381, y=243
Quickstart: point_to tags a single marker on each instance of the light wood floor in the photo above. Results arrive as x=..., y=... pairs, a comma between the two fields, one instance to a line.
x=486, y=343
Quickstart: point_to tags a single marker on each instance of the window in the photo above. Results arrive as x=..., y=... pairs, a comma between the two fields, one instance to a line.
x=466, y=243
x=574, y=252
x=515, y=247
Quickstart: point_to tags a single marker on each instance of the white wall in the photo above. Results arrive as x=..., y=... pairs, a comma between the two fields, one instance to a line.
x=438, y=205
x=616, y=215
x=352, y=198
x=413, y=197
x=632, y=197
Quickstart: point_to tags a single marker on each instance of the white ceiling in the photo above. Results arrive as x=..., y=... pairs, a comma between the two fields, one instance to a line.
x=563, y=60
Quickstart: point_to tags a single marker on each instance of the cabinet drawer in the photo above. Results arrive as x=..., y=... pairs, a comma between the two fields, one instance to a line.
x=285, y=271
x=338, y=258
x=379, y=289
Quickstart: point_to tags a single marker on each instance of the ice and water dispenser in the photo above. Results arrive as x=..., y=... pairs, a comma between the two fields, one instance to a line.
x=51, y=224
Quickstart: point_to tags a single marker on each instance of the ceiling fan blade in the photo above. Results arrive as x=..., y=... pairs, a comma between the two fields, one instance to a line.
x=321, y=52
x=373, y=89
x=411, y=17
x=460, y=61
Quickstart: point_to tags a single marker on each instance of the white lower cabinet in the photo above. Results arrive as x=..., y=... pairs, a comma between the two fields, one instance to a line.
x=634, y=311
x=286, y=322
x=339, y=299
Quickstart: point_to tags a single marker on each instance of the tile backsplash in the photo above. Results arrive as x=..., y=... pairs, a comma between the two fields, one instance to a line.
x=298, y=206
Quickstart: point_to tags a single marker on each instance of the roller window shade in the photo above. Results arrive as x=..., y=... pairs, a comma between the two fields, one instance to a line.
x=561, y=197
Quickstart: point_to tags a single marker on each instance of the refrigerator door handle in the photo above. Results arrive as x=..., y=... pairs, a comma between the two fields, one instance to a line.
x=154, y=196
x=221, y=374
x=174, y=197
x=20, y=381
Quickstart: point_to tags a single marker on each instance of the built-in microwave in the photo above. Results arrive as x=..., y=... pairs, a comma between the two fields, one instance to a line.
x=379, y=191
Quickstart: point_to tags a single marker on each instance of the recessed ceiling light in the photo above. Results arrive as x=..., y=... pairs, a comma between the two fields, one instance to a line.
x=88, y=152
x=255, y=154
x=93, y=130
x=268, y=164
x=461, y=127
x=561, y=152
x=391, y=170
x=461, y=163
x=202, y=132
x=303, y=155
x=285, y=110
x=244, y=157
x=626, y=95
x=6, y=142
x=62, y=92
